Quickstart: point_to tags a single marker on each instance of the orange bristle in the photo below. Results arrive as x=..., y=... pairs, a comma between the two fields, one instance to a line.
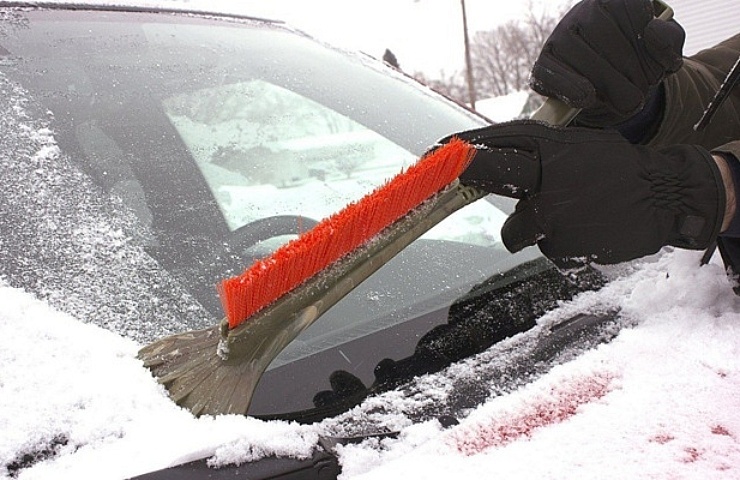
x=340, y=234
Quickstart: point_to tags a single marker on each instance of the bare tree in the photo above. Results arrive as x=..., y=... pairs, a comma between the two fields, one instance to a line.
x=452, y=85
x=501, y=58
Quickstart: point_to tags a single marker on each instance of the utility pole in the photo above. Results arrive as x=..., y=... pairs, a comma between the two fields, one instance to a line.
x=468, y=63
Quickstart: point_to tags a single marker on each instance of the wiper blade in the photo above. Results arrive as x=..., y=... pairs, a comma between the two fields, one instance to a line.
x=322, y=465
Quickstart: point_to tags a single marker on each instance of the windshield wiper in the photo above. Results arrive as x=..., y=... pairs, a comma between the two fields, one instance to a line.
x=322, y=465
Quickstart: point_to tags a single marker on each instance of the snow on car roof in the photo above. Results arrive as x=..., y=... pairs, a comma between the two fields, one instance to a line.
x=250, y=9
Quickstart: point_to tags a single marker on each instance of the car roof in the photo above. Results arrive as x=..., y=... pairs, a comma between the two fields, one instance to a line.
x=241, y=10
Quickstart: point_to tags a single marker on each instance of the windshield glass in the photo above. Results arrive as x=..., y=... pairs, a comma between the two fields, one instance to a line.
x=265, y=151
x=204, y=144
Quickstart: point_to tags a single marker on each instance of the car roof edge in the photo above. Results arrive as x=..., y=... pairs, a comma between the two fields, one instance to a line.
x=132, y=8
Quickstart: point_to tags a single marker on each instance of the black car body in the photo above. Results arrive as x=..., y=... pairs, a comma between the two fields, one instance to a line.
x=190, y=144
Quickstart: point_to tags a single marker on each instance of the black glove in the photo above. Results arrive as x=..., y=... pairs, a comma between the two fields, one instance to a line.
x=589, y=195
x=604, y=56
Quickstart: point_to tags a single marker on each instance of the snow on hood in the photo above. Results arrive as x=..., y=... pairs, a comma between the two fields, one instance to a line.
x=78, y=390
x=660, y=401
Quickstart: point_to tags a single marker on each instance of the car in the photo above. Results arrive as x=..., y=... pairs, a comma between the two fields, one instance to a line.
x=149, y=152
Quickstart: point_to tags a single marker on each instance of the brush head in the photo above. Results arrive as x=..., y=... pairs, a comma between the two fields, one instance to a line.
x=269, y=279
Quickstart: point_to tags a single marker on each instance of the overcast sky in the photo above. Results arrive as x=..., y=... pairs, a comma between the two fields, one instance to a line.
x=425, y=35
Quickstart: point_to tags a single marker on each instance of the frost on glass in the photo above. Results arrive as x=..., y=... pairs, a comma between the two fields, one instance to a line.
x=70, y=244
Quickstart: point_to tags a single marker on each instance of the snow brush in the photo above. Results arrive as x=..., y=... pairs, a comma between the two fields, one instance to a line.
x=216, y=370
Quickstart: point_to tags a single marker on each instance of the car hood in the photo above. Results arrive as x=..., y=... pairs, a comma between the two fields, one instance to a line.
x=81, y=406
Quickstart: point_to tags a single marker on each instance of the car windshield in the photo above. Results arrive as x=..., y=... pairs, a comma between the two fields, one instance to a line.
x=146, y=156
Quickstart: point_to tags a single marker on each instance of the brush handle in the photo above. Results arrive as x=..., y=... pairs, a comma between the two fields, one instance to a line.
x=555, y=112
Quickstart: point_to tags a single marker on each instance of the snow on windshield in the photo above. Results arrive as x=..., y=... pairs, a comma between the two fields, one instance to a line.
x=72, y=245
x=659, y=401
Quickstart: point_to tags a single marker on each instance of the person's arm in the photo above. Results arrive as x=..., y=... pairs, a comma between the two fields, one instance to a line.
x=728, y=240
x=728, y=159
x=687, y=94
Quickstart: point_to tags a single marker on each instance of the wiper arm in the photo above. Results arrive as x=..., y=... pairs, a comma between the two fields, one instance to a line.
x=322, y=465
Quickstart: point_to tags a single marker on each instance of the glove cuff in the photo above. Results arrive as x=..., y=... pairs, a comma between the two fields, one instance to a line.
x=637, y=128
x=704, y=200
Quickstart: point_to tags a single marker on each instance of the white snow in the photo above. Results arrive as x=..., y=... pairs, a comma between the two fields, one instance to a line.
x=660, y=401
x=82, y=386
x=503, y=108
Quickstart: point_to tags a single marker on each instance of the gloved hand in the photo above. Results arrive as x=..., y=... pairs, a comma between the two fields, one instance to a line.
x=589, y=195
x=604, y=56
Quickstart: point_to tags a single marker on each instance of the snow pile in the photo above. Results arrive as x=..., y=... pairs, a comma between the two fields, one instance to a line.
x=660, y=401
x=75, y=403
x=503, y=108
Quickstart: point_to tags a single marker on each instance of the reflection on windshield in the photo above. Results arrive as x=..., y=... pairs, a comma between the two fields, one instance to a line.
x=267, y=151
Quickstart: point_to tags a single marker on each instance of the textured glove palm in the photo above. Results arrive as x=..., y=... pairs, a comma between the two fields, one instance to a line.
x=589, y=195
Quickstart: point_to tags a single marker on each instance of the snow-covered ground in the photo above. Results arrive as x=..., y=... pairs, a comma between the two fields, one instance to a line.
x=503, y=108
x=660, y=401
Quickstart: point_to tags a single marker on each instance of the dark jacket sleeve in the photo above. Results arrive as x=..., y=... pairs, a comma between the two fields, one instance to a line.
x=687, y=94
x=689, y=91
